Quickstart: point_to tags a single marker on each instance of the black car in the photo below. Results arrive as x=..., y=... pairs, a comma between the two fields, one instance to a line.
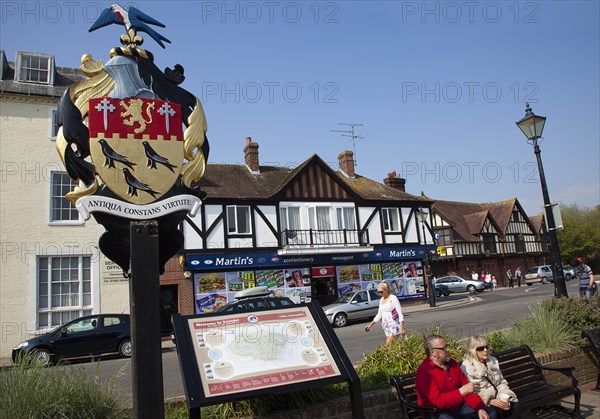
x=251, y=299
x=86, y=336
x=255, y=304
x=254, y=299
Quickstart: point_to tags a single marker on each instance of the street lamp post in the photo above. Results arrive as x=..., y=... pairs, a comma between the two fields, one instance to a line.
x=532, y=126
x=422, y=215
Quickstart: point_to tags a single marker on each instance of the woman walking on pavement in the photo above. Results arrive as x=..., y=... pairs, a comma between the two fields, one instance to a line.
x=390, y=313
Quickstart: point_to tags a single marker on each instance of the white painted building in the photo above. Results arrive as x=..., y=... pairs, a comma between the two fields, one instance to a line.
x=51, y=270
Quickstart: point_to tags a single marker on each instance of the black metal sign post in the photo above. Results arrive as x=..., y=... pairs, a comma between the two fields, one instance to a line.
x=209, y=379
x=135, y=142
x=144, y=289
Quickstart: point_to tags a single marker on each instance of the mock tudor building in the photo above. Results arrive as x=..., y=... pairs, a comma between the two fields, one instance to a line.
x=493, y=237
x=304, y=232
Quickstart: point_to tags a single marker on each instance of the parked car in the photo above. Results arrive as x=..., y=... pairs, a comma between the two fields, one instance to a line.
x=255, y=303
x=446, y=285
x=253, y=299
x=83, y=337
x=441, y=289
x=569, y=273
x=353, y=306
x=537, y=274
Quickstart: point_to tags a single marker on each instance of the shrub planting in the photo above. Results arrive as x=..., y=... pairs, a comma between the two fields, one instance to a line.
x=30, y=391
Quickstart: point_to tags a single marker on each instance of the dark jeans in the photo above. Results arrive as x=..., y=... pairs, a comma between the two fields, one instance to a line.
x=466, y=412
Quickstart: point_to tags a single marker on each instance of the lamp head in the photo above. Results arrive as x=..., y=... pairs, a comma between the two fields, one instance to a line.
x=531, y=124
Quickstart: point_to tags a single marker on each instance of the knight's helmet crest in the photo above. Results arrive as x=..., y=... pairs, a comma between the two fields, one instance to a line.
x=133, y=139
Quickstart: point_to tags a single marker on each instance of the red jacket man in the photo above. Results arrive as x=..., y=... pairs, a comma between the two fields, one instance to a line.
x=440, y=383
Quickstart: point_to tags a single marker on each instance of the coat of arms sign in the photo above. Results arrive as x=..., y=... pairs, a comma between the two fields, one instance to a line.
x=134, y=140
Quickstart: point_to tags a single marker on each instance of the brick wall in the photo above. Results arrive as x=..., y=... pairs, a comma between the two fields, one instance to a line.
x=584, y=361
x=173, y=275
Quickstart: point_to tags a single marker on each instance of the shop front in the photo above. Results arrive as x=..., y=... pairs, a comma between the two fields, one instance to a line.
x=323, y=277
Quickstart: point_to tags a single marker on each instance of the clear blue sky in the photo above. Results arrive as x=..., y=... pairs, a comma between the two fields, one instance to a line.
x=437, y=85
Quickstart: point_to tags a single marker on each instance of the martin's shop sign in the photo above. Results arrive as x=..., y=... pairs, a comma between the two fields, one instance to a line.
x=222, y=261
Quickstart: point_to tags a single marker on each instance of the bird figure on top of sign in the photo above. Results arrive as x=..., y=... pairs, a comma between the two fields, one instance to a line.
x=132, y=19
x=134, y=139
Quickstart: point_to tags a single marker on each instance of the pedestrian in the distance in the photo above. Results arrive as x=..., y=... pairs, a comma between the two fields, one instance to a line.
x=585, y=277
x=494, y=283
x=488, y=280
x=518, y=275
x=390, y=314
x=510, y=278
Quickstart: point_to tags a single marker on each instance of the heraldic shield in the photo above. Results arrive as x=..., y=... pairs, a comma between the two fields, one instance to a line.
x=136, y=146
x=135, y=141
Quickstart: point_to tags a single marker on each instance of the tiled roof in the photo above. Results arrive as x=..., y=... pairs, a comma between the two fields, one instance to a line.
x=467, y=218
x=501, y=212
x=454, y=213
x=475, y=221
x=234, y=181
x=370, y=190
x=537, y=221
x=63, y=78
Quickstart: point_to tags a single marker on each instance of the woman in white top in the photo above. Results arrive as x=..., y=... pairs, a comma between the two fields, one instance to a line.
x=387, y=304
x=478, y=364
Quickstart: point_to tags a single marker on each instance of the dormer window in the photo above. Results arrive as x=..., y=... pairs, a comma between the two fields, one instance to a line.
x=445, y=235
x=489, y=242
x=34, y=68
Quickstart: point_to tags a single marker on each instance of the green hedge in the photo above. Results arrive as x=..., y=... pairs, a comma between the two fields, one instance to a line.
x=553, y=325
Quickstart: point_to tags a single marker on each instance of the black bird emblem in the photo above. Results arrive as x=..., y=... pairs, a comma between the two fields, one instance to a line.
x=135, y=184
x=154, y=157
x=111, y=155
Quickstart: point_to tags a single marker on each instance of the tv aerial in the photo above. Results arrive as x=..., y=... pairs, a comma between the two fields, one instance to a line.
x=351, y=134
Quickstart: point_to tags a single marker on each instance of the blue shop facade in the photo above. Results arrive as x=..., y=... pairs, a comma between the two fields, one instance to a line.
x=306, y=232
x=325, y=277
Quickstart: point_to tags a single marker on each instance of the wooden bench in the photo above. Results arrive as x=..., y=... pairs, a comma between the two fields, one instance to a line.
x=593, y=336
x=407, y=393
x=525, y=377
x=523, y=374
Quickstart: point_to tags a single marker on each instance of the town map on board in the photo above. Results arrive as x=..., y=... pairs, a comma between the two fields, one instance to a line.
x=244, y=351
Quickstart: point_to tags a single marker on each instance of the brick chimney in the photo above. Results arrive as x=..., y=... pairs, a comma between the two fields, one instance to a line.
x=251, y=156
x=393, y=181
x=346, y=160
